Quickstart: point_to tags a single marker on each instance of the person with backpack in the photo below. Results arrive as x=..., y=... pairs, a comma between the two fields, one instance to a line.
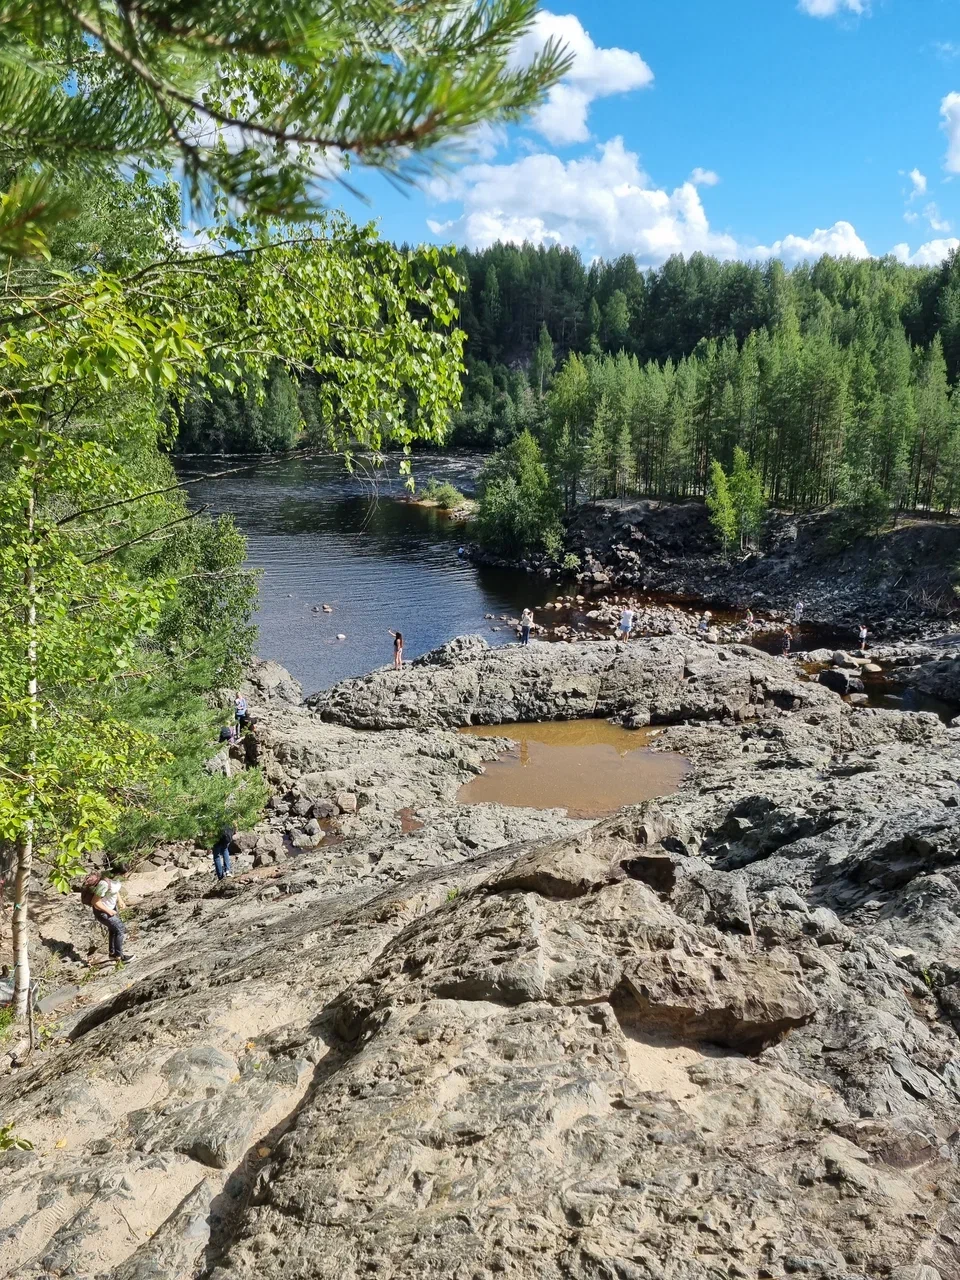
x=104, y=897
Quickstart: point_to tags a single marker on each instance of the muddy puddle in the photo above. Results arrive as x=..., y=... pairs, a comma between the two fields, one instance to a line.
x=590, y=768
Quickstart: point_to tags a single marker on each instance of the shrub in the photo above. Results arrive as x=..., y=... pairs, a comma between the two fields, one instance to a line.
x=443, y=493
x=519, y=504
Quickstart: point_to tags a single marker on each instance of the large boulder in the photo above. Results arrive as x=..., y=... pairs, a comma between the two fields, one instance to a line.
x=648, y=681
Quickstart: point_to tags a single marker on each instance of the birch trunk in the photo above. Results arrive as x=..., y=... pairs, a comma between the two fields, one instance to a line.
x=21, y=956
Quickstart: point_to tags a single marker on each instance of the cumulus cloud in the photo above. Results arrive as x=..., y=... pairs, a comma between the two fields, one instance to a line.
x=603, y=202
x=704, y=177
x=950, y=115
x=840, y=241
x=830, y=8
x=928, y=255
x=596, y=73
x=919, y=182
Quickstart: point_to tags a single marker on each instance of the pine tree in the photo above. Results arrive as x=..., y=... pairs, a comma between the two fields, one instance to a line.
x=544, y=362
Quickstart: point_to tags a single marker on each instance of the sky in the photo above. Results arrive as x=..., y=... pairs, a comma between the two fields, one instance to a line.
x=742, y=128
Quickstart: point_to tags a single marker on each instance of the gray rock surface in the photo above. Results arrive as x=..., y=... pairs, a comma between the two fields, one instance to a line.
x=652, y=681
x=714, y=1035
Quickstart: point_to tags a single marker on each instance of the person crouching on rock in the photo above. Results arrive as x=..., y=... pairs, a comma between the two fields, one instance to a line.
x=106, y=900
x=221, y=853
x=704, y=625
x=397, y=648
x=526, y=622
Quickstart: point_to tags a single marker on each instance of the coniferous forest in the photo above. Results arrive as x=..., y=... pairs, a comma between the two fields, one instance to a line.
x=836, y=378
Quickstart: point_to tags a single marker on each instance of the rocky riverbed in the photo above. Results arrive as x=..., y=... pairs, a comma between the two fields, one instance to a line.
x=714, y=1035
x=900, y=582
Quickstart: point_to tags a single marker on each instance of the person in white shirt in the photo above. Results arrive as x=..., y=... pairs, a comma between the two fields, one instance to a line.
x=627, y=619
x=106, y=909
x=526, y=622
x=798, y=612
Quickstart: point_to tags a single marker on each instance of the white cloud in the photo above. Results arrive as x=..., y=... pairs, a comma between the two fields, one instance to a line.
x=830, y=8
x=704, y=177
x=596, y=73
x=919, y=182
x=911, y=216
x=840, y=241
x=950, y=111
x=602, y=202
x=928, y=255
x=933, y=216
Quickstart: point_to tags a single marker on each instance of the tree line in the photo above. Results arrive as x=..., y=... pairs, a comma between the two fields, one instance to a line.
x=835, y=380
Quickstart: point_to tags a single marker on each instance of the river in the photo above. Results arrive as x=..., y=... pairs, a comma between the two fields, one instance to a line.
x=319, y=535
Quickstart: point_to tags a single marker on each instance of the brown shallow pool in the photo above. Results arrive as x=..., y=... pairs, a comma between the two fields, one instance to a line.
x=589, y=767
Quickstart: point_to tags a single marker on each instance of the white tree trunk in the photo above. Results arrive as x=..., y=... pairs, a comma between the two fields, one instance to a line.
x=21, y=956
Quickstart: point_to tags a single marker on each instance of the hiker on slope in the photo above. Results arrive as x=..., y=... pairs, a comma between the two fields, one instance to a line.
x=104, y=897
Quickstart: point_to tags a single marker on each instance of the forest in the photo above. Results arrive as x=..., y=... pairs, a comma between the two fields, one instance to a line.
x=835, y=378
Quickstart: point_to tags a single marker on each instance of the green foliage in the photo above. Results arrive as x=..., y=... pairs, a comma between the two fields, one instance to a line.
x=517, y=513
x=10, y=1141
x=723, y=514
x=570, y=563
x=748, y=498
x=251, y=101
x=443, y=493
x=863, y=507
x=180, y=801
x=113, y=615
x=840, y=363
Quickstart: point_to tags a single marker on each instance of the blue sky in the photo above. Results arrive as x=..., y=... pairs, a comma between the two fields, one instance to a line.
x=744, y=128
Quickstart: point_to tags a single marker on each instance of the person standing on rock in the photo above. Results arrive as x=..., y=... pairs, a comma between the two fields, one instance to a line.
x=798, y=612
x=786, y=642
x=397, y=648
x=221, y=853
x=526, y=622
x=863, y=636
x=627, y=619
x=240, y=712
x=106, y=900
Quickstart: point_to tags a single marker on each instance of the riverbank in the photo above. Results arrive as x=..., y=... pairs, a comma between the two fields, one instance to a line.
x=900, y=583
x=735, y=1005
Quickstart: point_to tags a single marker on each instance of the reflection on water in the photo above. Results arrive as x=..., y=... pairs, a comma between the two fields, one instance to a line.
x=321, y=536
x=590, y=768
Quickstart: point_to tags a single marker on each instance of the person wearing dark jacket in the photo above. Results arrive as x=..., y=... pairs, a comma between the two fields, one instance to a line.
x=221, y=853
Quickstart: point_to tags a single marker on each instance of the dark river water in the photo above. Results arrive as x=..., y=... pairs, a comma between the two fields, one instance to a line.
x=321, y=536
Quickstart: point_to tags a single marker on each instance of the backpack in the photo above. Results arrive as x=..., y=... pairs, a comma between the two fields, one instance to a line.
x=88, y=890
